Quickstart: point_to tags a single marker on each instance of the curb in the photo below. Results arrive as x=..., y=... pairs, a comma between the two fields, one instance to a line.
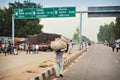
x=51, y=71
x=44, y=75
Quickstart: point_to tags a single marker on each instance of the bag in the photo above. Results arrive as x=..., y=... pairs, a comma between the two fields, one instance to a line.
x=58, y=44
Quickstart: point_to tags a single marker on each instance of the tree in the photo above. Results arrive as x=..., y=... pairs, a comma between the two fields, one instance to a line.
x=100, y=34
x=76, y=36
x=107, y=32
x=31, y=28
x=112, y=31
x=5, y=21
x=23, y=27
x=104, y=33
x=117, y=28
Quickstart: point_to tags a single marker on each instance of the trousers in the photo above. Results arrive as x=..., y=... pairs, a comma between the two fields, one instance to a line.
x=59, y=68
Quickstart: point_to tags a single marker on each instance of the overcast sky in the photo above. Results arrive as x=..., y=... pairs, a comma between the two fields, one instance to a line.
x=67, y=26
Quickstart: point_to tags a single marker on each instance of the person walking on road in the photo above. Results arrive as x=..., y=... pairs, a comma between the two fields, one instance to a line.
x=9, y=48
x=60, y=46
x=59, y=63
x=37, y=48
x=33, y=49
x=117, y=46
x=83, y=45
x=27, y=49
x=113, y=46
x=70, y=46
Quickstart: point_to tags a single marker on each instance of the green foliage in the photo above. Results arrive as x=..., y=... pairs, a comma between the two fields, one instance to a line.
x=25, y=4
x=76, y=36
x=31, y=27
x=117, y=28
x=109, y=32
x=85, y=39
x=23, y=27
x=5, y=21
x=104, y=33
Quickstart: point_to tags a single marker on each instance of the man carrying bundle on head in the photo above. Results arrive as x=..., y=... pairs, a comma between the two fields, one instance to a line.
x=60, y=47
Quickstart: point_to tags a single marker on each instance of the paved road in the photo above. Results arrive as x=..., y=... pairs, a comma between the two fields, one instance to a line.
x=13, y=63
x=99, y=63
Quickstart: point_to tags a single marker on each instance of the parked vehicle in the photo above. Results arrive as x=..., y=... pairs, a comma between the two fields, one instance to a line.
x=43, y=40
x=118, y=41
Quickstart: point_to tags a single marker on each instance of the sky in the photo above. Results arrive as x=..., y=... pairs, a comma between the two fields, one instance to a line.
x=67, y=26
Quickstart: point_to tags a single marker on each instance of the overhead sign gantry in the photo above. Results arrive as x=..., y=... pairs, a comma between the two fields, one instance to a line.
x=58, y=12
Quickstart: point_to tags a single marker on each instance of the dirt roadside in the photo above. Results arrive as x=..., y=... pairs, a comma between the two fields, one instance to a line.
x=29, y=72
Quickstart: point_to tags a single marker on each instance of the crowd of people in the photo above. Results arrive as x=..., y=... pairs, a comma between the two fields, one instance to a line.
x=113, y=45
x=84, y=45
x=32, y=49
x=10, y=49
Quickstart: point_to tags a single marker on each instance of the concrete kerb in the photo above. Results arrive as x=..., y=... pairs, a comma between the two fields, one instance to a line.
x=51, y=71
x=44, y=75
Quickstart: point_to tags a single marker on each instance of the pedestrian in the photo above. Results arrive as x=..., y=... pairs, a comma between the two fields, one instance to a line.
x=12, y=48
x=84, y=45
x=59, y=63
x=24, y=47
x=33, y=49
x=60, y=46
x=70, y=44
x=117, y=46
x=27, y=49
x=9, y=48
x=113, y=46
x=5, y=49
x=37, y=48
x=15, y=51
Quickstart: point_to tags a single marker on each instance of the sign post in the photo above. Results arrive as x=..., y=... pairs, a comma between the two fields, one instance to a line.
x=13, y=29
x=80, y=47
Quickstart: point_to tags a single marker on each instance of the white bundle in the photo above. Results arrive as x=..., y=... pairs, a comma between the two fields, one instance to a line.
x=58, y=44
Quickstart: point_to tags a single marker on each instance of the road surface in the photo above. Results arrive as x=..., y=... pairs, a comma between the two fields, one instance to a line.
x=98, y=63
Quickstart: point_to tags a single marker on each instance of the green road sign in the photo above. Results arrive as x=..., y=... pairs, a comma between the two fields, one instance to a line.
x=31, y=13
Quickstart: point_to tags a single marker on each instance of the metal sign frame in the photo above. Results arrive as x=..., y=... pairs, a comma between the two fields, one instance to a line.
x=81, y=12
x=104, y=11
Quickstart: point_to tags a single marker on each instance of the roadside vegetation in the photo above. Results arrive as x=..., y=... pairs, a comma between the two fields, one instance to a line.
x=23, y=27
x=109, y=32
